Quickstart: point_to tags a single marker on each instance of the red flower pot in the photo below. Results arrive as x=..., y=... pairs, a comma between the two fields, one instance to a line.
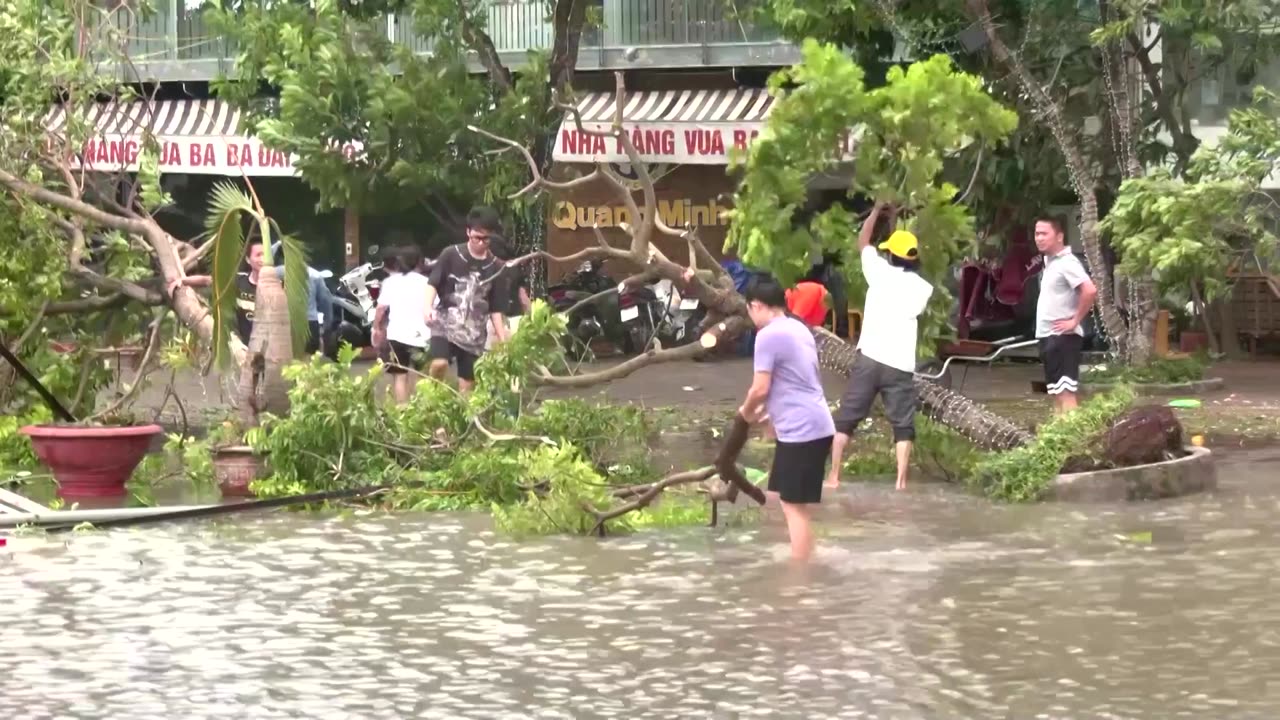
x=91, y=462
x=234, y=468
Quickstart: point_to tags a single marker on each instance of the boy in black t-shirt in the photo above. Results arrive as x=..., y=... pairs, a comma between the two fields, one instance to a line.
x=465, y=279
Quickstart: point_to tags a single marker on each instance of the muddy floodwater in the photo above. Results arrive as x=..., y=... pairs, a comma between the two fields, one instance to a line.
x=927, y=604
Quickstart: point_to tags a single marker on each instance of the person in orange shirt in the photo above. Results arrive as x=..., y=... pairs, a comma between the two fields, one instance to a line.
x=808, y=301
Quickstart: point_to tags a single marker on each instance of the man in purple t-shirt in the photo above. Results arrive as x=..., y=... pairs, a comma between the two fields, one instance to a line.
x=787, y=391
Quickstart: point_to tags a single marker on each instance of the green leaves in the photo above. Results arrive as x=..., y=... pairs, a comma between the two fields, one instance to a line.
x=400, y=111
x=903, y=135
x=227, y=204
x=1188, y=230
x=1024, y=474
x=297, y=290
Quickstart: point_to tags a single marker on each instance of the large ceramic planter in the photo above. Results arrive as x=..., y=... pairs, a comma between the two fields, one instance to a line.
x=91, y=462
x=234, y=468
x=1191, y=473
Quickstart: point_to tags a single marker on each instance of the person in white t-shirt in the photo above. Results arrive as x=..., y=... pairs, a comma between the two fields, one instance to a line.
x=402, y=311
x=886, y=362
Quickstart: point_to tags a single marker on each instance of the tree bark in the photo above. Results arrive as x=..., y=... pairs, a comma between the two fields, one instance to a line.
x=976, y=423
x=1082, y=178
x=1230, y=328
x=262, y=385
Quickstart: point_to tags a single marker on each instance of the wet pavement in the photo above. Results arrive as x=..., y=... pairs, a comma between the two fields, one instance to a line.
x=928, y=604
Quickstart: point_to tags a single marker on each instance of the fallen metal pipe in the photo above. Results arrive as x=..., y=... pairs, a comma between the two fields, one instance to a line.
x=75, y=517
x=12, y=503
x=66, y=520
x=974, y=358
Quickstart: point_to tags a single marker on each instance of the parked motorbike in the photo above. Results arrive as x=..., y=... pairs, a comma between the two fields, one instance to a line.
x=680, y=318
x=597, y=319
x=354, y=301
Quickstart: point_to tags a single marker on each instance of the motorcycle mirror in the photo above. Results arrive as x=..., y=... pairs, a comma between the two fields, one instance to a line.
x=373, y=250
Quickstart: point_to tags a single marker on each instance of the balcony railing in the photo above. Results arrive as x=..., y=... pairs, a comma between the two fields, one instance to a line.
x=175, y=43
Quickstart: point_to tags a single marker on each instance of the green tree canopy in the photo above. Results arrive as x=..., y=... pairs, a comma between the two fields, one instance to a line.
x=336, y=80
x=903, y=133
x=1185, y=230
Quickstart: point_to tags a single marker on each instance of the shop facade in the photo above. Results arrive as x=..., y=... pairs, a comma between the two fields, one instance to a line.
x=686, y=139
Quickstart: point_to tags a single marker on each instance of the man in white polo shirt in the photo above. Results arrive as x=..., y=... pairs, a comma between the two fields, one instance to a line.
x=1066, y=296
x=886, y=363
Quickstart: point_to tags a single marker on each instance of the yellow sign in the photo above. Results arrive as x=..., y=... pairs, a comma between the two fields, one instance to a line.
x=675, y=213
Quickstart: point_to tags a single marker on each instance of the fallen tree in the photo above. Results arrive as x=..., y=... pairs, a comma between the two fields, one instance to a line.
x=100, y=215
x=938, y=221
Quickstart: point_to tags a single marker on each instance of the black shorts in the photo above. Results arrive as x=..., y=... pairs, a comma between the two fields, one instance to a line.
x=1061, y=355
x=896, y=388
x=799, y=470
x=401, y=356
x=442, y=349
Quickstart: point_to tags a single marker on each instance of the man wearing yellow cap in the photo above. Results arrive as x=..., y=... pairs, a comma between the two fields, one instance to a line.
x=896, y=296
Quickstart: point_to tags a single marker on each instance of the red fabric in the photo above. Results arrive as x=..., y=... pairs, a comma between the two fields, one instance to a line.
x=807, y=301
x=1018, y=265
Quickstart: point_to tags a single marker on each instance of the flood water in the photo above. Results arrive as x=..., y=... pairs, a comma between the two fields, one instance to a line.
x=927, y=604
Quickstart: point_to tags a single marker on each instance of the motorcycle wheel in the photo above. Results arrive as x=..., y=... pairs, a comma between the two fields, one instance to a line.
x=575, y=350
x=346, y=333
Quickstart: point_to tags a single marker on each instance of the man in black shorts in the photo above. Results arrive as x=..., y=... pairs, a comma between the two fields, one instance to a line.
x=896, y=296
x=1066, y=296
x=399, y=320
x=786, y=391
x=471, y=303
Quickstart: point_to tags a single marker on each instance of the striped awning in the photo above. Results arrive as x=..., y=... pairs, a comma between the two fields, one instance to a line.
x=196, y=137
x=173, y=118
x=697, y=127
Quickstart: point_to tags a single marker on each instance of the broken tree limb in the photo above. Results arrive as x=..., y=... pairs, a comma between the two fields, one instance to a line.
x=727, y=462
x=646, y=497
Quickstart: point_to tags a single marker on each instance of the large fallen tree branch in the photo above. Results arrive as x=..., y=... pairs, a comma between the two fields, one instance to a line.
x=643, y=497
x=726, y=309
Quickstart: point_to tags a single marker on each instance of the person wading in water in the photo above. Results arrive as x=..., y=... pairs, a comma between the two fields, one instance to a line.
x=786, y=390
x=886, y=363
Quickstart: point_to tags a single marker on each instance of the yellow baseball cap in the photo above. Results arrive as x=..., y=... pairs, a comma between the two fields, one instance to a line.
x=902, y=244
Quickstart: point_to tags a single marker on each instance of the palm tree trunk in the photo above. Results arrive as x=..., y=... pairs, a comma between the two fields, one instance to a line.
x=262, y=387
x=979, y=425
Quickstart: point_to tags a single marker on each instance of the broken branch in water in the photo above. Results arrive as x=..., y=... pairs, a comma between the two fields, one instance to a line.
x=644, y=495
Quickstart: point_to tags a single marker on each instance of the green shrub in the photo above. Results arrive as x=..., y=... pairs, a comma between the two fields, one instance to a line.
x=1162, y=371
x=1024, y=474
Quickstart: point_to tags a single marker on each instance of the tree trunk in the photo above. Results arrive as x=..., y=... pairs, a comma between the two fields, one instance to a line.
x=262, y=387
x=1083, y=180
x=351, y=236
x=950, y=409
x=1230, y=330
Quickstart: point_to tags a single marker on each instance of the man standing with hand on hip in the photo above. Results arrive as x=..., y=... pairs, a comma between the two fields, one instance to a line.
x=1066, y=296
x=886, y=362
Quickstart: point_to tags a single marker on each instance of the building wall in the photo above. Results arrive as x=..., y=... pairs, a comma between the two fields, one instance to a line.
x=689, y=193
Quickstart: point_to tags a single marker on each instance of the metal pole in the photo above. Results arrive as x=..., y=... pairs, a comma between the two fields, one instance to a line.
x=171, y=21
x=75, y=517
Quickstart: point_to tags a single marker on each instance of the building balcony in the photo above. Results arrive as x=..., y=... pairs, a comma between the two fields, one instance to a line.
x=174, y=44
